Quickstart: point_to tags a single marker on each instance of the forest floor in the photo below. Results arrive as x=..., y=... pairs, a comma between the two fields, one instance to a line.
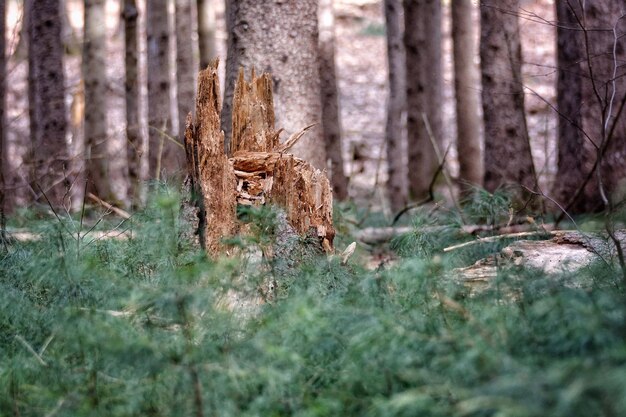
x=362, y=74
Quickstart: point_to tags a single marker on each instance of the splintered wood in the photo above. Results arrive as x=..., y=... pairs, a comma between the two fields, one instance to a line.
x=211, y=173
x=259, y=171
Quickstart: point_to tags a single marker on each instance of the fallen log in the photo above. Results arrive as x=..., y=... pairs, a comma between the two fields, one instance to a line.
x=260, y=171
x=566, y=252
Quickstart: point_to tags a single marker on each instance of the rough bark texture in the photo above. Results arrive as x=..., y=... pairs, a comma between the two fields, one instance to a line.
x=165, y=157
x=135, y=145
x=206, y=32
x=95, y=78
x=260, y=170
x=466, y=88
x=603, y=96
x=571, y=168
x=279, y=37
x=396, y=103
x=508, y=159
x=422, y=41
x=46, y=89
x=331, y=121
x=185, y=62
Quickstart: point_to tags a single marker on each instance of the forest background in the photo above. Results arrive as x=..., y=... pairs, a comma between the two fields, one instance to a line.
x=476, y=157
x=364, y=136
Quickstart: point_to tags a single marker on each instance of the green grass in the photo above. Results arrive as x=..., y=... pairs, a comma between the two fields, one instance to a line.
x=137, y=327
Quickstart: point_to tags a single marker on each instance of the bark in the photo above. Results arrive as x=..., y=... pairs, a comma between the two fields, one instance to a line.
x=95, y=78
x=164, y=155
x=282, y=38
x=565, y=254
x=206, y=32
x=466, y=89
x=422, y=41
x=135, y=142
x=260, y=171
x=185, y=65
x=396, y=103
x=603, y=95
x=508, y=159
x=571, y=168
x=48, y=125
x=587, y=55
x=3, y=140
x=331, y=121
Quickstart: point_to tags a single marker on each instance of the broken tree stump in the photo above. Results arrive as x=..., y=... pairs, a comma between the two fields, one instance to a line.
x=260, y=170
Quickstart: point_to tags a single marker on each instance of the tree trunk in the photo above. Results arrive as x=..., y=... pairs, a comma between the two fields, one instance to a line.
x=3, y=141
x=571, y=168
x=46, y=92
x=281, y=38
x=508, y=159
x=603, y=98
x=331, y=121
x=135, y=142
x=396, y=182
x=422, y=41
x=206, y=32
x=261, y=170
x=185, y=66
x=165, y=156
x=94, y=75
x=466, y=88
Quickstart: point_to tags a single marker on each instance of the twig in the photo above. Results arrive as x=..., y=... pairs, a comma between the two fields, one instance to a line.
x=122, y=213
x=431, y=192
x=54, y=211
x=293, y=139
x=166, y=136
x=108, y=234
x=58, y=406
x=30, y=349
x=500, y=237
x=441, y=161
x=45, y=344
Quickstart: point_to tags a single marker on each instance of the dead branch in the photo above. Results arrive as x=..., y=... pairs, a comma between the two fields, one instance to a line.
x=122, y=213
x=501, y=237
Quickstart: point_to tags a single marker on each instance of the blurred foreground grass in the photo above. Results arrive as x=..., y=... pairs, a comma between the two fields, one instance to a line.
x=143, y=327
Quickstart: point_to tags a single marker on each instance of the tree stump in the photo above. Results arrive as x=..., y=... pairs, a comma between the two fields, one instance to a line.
x=260, y=171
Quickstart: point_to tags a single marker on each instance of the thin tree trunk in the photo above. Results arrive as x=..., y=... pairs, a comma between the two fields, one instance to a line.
x=94, y=75
x=134, y=136
x=396, y=183
x=331, y=121
x=508, y=159
x=206, y=32
x=281, y=38
x=185, y=66
x=571, y=168
x=603, y=95
x=422, y=40
x=3, y=141
x=46, y=90
x=466, y=88
x=165, y=156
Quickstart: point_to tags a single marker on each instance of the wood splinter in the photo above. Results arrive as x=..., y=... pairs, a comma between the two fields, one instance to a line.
x=259, y=170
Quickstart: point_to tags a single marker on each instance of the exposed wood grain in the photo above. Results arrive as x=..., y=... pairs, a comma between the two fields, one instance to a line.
x=259, y=172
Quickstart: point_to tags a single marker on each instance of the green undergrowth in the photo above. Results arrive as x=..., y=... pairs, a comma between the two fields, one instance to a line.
x=142, y=327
